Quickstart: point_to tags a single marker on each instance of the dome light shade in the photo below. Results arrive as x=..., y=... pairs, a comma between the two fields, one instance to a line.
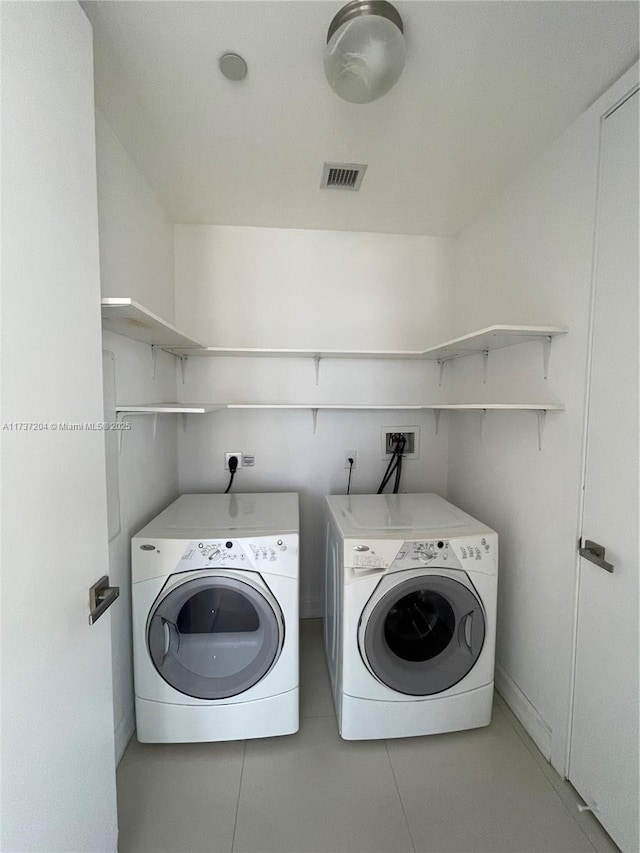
x=365, y=50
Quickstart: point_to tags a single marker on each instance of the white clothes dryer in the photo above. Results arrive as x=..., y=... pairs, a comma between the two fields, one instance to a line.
x=410, y=615
x=215, y=619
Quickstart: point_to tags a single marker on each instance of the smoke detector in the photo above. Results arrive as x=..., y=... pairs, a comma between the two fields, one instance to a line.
x=342, y=176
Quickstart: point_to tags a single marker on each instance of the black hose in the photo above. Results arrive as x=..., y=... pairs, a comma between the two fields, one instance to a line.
x=388, y=472
x=394, y=466
x=396, y=485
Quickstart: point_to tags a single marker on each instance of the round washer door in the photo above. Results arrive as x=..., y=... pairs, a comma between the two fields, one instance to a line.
x=423, y=635
x=214, y=637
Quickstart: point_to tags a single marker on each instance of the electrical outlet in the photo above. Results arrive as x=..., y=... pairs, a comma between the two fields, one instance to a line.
x=350, y=454
x=412, y=436
x=228, y=456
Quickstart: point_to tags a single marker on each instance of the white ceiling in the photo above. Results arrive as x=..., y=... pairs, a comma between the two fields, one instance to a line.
x=486, y=87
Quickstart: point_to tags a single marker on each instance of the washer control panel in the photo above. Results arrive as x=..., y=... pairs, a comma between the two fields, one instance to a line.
x=478, y=552
x=437, y=552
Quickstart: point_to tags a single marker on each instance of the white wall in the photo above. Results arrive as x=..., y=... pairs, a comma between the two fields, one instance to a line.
x=266, y=287
x=527, y=260
x=275, y=287
x=136, y=259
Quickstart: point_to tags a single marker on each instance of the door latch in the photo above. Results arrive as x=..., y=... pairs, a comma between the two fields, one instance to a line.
x=595, y=554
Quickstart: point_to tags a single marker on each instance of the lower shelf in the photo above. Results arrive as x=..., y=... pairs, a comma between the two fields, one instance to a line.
x=204, y=408
x=156, y=409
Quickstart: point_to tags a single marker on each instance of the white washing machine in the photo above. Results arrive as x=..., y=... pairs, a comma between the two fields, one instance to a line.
x=215, y=619
x=410, y=615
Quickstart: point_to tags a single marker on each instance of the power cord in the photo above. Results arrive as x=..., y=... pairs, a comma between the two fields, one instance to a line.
x=350, y=461
x=233, y=467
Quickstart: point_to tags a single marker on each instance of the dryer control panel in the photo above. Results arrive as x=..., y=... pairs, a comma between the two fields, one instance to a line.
x=267, y=553
x=210, y=551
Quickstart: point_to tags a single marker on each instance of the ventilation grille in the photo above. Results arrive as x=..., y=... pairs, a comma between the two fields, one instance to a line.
x=342, y=176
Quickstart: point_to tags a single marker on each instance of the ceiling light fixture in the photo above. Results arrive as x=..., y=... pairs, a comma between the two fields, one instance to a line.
x=365, y=51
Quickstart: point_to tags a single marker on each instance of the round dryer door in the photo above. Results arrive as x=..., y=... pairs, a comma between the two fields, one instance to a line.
x=423, y=635
x=216, y=636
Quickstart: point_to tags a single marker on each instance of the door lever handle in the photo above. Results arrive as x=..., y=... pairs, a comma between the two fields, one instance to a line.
x=595, y=554
x=101, y=597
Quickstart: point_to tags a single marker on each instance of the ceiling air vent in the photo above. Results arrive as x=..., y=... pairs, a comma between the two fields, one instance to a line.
x=342, y=176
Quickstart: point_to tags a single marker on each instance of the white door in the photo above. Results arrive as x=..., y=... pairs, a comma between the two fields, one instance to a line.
x=58, y=766
x=604, y=743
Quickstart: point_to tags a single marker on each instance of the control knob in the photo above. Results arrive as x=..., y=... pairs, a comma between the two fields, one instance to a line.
x=214, y=553
x=426, y=553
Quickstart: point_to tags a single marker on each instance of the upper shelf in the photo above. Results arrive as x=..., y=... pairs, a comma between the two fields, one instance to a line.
x=126, y=317
x=294, y=353
x=168, y=408
x=492, y=337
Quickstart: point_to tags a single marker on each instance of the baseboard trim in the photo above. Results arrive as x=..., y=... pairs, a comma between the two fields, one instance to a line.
x=124, y=732
x=536, y=726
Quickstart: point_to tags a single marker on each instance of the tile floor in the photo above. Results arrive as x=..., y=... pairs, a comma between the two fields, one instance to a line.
x=488, y=789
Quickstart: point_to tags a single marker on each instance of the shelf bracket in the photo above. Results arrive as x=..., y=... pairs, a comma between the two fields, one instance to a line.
x=183, y=366
x=483, y=420
x=485, y=366
x=546, y=352
x=441, y=362
x=436, y=415
x=155, y=425
x=542, y=414
x=154, y=359
x=314, y=415
x=316, y=361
